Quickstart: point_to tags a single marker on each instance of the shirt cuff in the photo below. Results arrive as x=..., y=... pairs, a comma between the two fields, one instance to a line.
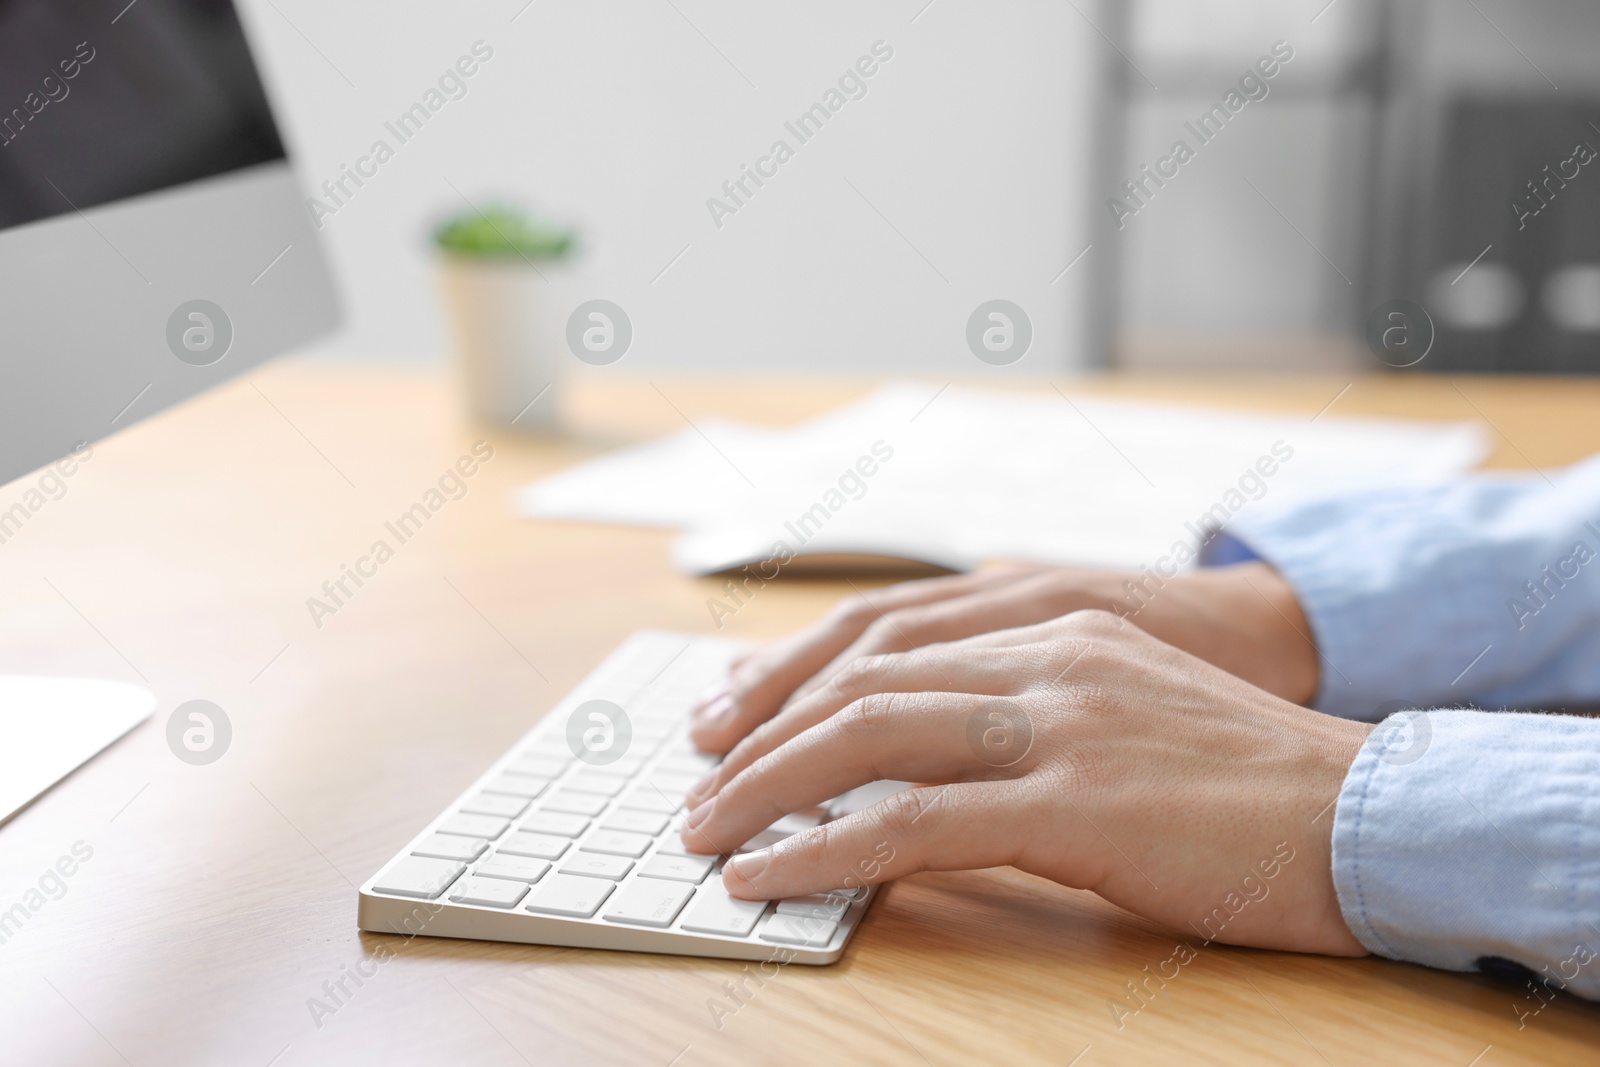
x=1465, y=839
x=1223, y=549
x=1377, y=636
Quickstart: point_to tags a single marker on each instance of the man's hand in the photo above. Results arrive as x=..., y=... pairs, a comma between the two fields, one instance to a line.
x=1082, y=750
x=1244, y=618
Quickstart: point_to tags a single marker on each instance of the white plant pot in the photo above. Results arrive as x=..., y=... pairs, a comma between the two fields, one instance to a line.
x=509, y=337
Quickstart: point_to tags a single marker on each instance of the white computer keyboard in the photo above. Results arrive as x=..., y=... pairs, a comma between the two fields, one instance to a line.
x=571, y=838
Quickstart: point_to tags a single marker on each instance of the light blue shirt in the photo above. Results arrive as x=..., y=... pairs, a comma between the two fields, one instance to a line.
x=1463, y=839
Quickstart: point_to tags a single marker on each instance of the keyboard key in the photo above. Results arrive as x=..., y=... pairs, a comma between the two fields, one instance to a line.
x=516, y=868
x=539, y=846
x=539, y=766
x=644, y=747
x=672, y=845
x=576, y=803
x=817, y=905
x=555, y=822
x=550, y=746
x=648, y=738
x=643, y=798
x=570, y=895
x=597, y=865
x=416, y=877
x=695, y=763
x=678, y=868
x=673, y=785
x=646, y=902
x=485, y=826
x=450, y=847
x=627, y=766
x=795, y=822
x=517, y=785
x=618, y=843
x=488, y=892
x=715, y=912
x=606, y=785
x=798, y=930
x=674, y=779
x=853, y=893
x=635, y=822
x=501, y=804
x=765, y=839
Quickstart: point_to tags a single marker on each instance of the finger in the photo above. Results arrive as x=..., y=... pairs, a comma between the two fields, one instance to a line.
x=758, y=686
x=936, y=669
x=1033, y=599
x=938, y=828
x=792, y=660
x=812, y=647
x=919, y=737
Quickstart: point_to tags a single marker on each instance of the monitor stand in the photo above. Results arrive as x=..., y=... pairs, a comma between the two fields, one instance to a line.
x=49, y=727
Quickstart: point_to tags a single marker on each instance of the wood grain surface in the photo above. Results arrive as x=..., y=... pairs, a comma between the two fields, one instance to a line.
x=219, y=899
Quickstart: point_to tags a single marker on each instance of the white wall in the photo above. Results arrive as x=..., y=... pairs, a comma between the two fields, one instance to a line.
x=623, y=118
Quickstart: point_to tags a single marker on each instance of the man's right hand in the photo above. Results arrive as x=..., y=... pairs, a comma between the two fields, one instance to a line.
x=1244, y=619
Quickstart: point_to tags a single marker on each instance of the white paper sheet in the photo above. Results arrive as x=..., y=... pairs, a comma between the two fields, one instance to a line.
x=978, y=475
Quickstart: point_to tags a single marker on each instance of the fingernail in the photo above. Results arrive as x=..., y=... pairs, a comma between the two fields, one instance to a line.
x=703, y=784
x=716, y=712
x=699, y=814
x=751, y=864
x=710, y=696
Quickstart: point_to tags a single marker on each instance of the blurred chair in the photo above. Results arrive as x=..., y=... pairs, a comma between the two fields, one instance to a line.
x=1387, y=162
x=1252, y=257
x=1488, y=184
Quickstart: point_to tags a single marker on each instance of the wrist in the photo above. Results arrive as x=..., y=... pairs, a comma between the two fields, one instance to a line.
x=1295, y=794
x=1337, y=744
x=1246, y=619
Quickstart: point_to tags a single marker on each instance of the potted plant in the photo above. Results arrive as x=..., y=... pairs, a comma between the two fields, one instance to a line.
x=503, y=273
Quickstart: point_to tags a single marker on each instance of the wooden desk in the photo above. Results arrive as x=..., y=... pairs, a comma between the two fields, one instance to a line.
x=220, y=898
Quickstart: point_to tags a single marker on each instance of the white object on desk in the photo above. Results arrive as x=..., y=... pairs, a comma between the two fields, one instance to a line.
x=977, y=475
x=52, y=726
x=639, y=890
x=508, y=321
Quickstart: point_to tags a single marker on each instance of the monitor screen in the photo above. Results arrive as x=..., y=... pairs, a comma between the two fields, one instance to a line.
x=105, y=99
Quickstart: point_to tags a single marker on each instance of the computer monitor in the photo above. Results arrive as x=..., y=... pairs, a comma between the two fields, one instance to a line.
x=152, y=239
x=153, y=243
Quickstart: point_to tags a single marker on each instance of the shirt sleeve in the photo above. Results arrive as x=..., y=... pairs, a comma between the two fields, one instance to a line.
x=1470, y=840
x=1482, y=591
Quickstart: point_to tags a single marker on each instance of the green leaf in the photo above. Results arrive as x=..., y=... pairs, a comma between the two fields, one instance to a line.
x=499, y=230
